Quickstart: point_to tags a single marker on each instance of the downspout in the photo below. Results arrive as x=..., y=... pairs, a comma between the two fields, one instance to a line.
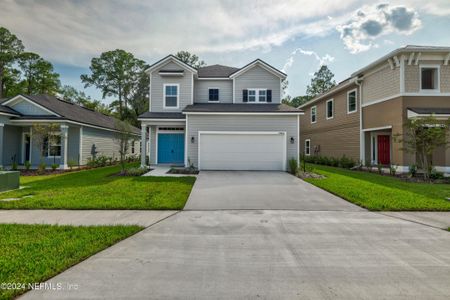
x=362, y=152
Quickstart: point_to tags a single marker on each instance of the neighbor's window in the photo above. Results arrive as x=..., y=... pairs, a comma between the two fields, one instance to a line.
x=351, y=101
x=429, y=78
x=313, y=114
x=213, y=94
x=258, y=95
x=171, y=96
x=251, y=95
x=307, y=147
x=330, y=109
x=262, y=96
x=52, y=146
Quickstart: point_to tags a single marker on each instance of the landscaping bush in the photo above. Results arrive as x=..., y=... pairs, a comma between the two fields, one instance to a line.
x=27, y=165
x=293, y=166
x=41, y=168
x=346, y=163
x=135, y=172
x=434, y=174
x=412, y=170
x=54, y=166
x=71, y=164
x=392, y=170
x=343, y=162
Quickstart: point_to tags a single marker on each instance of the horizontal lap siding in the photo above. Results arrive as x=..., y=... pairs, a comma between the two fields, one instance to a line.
x=198, y=123
x=381, y=84
x=152, y=144
x=103, y=141
x=27, y=108
x=201, y=90
x=73, y=144
x=12, y=137
x=257, y=77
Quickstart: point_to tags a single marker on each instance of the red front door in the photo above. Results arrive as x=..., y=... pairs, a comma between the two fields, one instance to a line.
x=384, y=150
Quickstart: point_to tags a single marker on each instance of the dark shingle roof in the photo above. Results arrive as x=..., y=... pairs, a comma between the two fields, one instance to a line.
x=6, y=109
x=215, y=71
x=247, y=108
x=162, y=115
x=74, y=112
x=431, y=110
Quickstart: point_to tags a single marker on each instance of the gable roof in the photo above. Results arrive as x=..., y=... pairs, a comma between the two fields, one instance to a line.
x=175, y=60
x=261, y=63
x=7, y=110
x=71, y=111
x=340, y=86
x=216, y=71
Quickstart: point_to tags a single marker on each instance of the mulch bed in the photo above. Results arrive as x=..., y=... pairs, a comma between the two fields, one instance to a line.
x=186, y=171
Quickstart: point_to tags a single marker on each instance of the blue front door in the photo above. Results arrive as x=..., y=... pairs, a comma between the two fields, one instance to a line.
x=171, y=148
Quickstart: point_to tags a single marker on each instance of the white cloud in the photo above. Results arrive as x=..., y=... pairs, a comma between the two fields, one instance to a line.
x=371, y=22
x=322, y=60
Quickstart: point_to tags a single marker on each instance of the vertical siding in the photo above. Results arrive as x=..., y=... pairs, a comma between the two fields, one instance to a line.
x=198, y=123
x=27, y=108
x=157, y=88
x=201, y=92
x=381, y=84
x=257, y=77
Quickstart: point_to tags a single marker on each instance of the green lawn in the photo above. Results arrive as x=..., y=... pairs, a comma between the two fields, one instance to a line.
x=376, y=192
x=35, y=253
x=97, y=189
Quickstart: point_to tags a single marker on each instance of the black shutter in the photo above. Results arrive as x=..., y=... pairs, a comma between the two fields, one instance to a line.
x=244, y=95
x=269, y=95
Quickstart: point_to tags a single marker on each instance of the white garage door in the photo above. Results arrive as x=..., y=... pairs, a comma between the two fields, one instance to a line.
x=242, y=151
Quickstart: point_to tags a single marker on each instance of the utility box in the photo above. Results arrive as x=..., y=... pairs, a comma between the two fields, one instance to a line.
x=9, y=180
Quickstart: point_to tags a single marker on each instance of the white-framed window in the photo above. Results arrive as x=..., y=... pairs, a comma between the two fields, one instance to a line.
x=352, y=103
x=171, y=95
x=257, y=95
x=213, y=95
x=314, y=114
x=330, y=109
x=429, y=78
x=51, y=147
x=308, y=147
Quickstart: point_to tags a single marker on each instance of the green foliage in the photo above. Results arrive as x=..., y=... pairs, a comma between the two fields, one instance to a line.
x=35, y=253
x=412, y=170
x=434, y=174
x=10, y=49
x=39, y=76
x=54, y=167
x=380, y=168
x=27, y=165
x=296, y=101
x=42, y=133
x=293, y=166
x=190, y=59
x=392, y=170
x=343, y=162
x=69, y=93
x=72, y=163
x=135, y=171
x=321, y=82
x=41, y=167
x=123, y=137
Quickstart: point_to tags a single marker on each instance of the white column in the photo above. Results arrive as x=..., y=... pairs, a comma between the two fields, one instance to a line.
x=143, y=145
x=64, y=136
x=2, y=126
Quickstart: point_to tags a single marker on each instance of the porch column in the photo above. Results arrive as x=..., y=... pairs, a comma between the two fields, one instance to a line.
x=2, y=126
x=63, y=159
x=143, y=145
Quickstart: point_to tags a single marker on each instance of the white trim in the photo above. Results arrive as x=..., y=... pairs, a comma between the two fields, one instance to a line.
x=298, y=139
x=418, y=58
x=213, y=78
x=263, y=65
x=391, y=64
x=397, y=61
x=374, y=136
x=411, y=114
x=381, y=100
x=411, y=58
x=257, y=95
x=9, y=115
x=218, y=99
x=175, y=60
x=171, y=74
x=438, y=83
x=2, y=125
x=156, y=144
x=30, y=101
x=311, y=114
x=150, y=92
x=65, y=136
x=402, y=74
x=165, y=132
x=80, y=156
x=356, y=101
x=164, y=96
x=192, y=88
x=234, y=91
x=245, y=113
x=245, y=132
x=326, y=109
x=163, y=120
x=443, y=169
x=309, y=147
x=406, y=95
x=377, y=128
x=446, y=59
x=186, y=142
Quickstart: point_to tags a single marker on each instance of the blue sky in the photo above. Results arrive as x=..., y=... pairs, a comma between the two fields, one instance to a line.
x=296, y=36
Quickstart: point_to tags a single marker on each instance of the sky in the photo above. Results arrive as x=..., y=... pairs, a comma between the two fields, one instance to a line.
x=294, y=36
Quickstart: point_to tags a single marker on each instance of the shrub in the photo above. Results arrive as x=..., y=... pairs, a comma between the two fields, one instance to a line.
x=434, y=174
x=27, y=165
x=293, y=166
x=346, y=162
x=54, y=166
x=392, y=170
x=71, y=163
x=368, y=165
x=412, y=170
x=41, y=168
x=380, y=168
x=135, y=171
x=14, y=166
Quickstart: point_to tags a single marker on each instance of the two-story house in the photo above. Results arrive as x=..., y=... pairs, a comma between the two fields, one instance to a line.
x=361, y=116
x=219, y=117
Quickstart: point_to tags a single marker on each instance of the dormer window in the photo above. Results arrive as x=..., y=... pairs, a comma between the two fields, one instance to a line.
x=429, y=78
x=213, y=95
x=171, y=95
x=257, y=95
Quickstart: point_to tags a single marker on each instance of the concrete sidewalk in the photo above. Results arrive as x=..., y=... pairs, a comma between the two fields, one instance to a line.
x=85, y=217
x=438, y=219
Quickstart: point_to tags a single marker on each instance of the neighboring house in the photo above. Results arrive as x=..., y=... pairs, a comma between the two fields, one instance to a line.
x=360, y=116
x=83, y=133
x=219, y=117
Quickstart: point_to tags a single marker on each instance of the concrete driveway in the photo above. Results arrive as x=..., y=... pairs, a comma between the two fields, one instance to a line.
x=267, y=255
x=215, y=190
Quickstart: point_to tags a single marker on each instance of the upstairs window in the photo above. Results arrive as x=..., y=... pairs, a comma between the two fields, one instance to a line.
x=171, y=95
x=429, y=78
x=257, y=95
x=351, y=102
x=330, y=109
x=313, y=114
x=213, y=95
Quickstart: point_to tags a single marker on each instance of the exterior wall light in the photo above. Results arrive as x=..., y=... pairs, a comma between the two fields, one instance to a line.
x=292, y=140
x=192, y=140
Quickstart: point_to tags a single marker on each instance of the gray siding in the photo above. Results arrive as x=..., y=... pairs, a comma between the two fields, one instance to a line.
x=73, y=144
x=157, y=88
x=257, y=77
x=4, y=119
x=152, y=144
x=201, y=92
x=198, y=123
x=11, y=144
x=27, y=108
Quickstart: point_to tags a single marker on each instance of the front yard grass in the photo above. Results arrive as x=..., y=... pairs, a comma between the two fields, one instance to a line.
x=382, y=193
x=34, y=253
x=97, y=189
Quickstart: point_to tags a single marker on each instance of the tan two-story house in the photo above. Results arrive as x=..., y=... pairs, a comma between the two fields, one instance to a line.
x=361, y=116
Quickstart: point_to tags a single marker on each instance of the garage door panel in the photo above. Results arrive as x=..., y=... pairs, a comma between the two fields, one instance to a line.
x=237, y=151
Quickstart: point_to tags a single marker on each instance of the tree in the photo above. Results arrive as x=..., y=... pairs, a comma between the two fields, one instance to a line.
x=10, y=49
x=190, y=59
x=122, y=137
x=421, y=137
x=321, y=82
x=12, y=84
x=296, y=101
x=43, y=136
x=38, y=74
x=116, y=73
x=73, y=95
